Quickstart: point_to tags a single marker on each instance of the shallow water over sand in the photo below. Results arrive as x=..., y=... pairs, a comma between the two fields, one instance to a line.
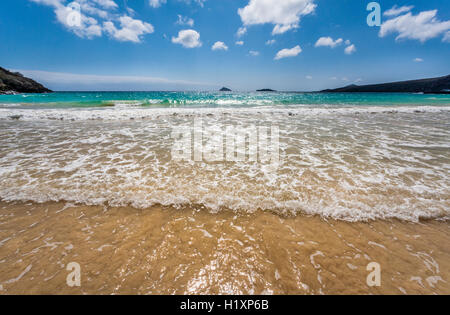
x=354, y=185
x=185, y=251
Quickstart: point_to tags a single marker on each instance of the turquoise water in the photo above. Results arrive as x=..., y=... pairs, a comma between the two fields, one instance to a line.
x=213, y=99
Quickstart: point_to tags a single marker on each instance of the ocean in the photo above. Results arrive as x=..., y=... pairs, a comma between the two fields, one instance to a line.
x=145, y=192
x=215, y=99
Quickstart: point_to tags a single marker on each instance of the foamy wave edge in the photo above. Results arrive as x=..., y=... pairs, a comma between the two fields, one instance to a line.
x=149, y=113
x=238, y=206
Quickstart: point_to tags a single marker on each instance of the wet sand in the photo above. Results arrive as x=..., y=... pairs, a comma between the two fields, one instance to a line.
x=163, y=250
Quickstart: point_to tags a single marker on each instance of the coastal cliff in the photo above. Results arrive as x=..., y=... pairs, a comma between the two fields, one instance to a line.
x=440, y=85
x=14, y=82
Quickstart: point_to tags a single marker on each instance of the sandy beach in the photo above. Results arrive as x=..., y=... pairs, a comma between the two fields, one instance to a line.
x=163, y=250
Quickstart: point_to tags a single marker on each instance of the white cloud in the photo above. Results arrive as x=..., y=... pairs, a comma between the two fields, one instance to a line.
x=241, y=31
x=285, y=53
x=87, y=7
x=350, y=49
x=157, y=3
x=184, y=20
x=85, y=26
x=285, y=15
x=271, y=42
x=281, y=29
x=131, y=30
x=80, y=24
x=308, y=77
x=109, y=4
x=446, y=38
x=88, y=26
x=188, y=39
x=418, y=60
x=394, y=11
x=254, y=53
x=219, y=46
x=422, y=27
x=240, y=43
x=328, y=42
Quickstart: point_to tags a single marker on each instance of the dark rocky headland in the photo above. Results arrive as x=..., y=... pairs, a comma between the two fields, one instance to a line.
x=440, y=85
x=14, y=82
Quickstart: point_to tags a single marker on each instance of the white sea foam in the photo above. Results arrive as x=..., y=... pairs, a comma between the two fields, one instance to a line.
x=346, y=163
x=122, y=111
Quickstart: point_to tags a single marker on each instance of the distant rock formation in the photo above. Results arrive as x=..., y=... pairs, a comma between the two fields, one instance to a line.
x=12, y=83
x=225, y=89
x=266, y=90
x=439, y=85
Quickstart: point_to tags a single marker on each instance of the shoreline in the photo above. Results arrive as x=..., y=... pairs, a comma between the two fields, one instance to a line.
x=351, y=164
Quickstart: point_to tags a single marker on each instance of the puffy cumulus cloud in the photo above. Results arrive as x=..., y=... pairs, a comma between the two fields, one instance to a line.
x=285, y=53
x=421, y=27
x=350, y=49
x=100, y=8
x=157, y=3
x=184, y=20
x=188, y=39
x=219, y=46
x=240, y=43
x=78, y=17
x=73, y=19
x=328, y=42
x=418, y=60
x=271, y=42
x=285, y=15
x=130, y=29
x=253, y=53
x=395, y=10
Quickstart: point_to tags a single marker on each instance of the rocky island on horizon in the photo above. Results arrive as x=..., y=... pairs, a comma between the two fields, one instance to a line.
x=265, y=90
x=15, y=82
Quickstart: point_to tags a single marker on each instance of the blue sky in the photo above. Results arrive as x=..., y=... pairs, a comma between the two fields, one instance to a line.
x=298, y=45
